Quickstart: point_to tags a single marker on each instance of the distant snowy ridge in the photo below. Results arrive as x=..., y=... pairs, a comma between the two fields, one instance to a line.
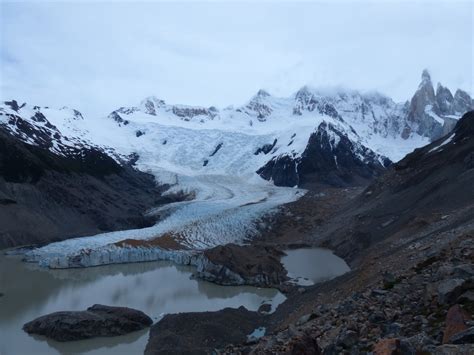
x=171, y=140
x=339, y=137
x=62, y=131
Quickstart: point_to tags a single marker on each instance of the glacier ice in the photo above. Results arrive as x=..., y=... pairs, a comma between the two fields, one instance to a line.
x=226, y=209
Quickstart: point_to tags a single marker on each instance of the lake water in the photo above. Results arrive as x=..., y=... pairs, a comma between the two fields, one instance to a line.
x=155, y=288
x=309, y=266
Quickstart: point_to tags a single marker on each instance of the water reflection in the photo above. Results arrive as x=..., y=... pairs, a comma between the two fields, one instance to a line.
x=106, y=345
x=309, y=266
x=155, y=288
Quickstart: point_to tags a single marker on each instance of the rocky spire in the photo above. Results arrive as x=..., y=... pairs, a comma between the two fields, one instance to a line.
x=462, y=102
x=424, y=96
x=425, y=77
x=444, y=100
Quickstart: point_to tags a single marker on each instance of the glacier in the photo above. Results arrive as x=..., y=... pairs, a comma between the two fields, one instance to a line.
x=225, y=210
x=212, y=154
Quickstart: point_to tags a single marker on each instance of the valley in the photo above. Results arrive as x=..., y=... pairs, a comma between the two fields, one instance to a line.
x=230, y=207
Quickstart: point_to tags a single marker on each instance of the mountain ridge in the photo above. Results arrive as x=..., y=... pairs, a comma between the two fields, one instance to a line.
x=382, y=129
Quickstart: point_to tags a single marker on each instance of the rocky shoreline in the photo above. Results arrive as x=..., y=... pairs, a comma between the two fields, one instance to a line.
x=425, y=309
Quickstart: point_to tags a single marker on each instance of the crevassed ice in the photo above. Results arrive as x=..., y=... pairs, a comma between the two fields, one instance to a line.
x=226, y=210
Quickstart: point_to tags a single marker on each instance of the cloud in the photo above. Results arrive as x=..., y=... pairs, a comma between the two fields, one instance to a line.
x=96, y=56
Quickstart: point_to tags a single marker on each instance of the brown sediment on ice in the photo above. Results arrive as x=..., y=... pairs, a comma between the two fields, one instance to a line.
x=167, y=241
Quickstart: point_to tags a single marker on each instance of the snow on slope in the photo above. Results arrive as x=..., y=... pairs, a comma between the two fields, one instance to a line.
x=216, y=155
x=62, y=131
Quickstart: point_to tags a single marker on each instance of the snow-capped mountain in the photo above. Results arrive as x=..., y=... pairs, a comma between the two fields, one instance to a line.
x=433, y=114
x=332, y=136
x=269, y=136
x=62, y=131
x=231, y=159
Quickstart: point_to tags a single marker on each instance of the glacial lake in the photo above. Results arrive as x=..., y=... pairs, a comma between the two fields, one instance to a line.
x=155, y=288
x=309, y=266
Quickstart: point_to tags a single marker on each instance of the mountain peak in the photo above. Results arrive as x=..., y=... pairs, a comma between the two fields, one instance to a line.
x=262, y=93
x=425, y=76
x=151, y=104
x=304, y=90
x=13, y=104
x=153, y=99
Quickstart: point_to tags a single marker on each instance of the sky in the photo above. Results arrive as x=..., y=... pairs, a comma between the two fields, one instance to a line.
x=97, y=56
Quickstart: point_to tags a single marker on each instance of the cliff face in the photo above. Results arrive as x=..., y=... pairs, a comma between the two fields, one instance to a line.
x=45, y=197
x=330, y=157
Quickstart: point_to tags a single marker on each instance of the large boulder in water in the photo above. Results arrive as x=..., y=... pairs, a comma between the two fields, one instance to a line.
x=96, y=321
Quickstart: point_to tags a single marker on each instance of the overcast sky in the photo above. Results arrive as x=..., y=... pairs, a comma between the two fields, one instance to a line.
x=97, y=56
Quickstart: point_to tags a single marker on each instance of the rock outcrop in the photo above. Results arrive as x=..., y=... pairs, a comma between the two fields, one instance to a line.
x=96, y=321
x=259, y=106
x=433, y=114
x=330, y=157
x=201, y=333
x=233, y=264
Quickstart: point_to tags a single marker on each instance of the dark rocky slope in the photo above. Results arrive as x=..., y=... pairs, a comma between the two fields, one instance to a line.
x=409, y=239
x=46, y=197
x=424, y=307
x=434, y=183
x=330, y=158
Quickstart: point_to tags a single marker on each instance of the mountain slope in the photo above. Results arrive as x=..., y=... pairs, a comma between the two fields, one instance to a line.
x=46, y=197
x=429, y=190
x=330, y=157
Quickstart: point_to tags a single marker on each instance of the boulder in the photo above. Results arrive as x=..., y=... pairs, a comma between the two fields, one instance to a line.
x=347, y=339
x=303, y=344
x=449, y=290
x=466, y=297
x=265, y=308
x=96, y=321
x=388, y=280
x=391, y=346
x=455, y=322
